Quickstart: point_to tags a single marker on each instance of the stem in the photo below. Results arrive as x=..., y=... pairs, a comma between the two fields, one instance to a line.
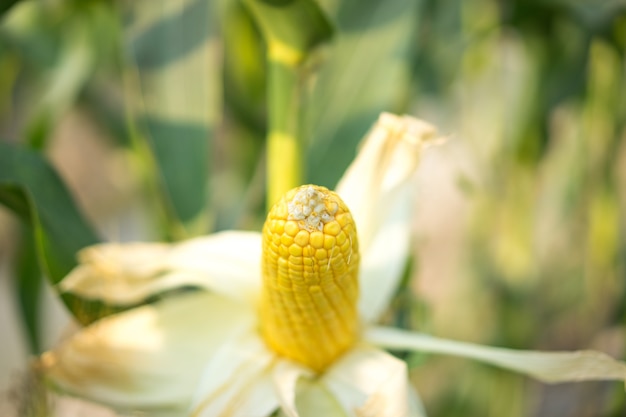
x=292, y=30
x=284, y=143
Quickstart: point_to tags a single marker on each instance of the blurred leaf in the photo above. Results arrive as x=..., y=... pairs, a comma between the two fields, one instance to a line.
x=6, y=5
x=408, y=311
x=33, y=190
x=292, y=27
x=244, y=70
x=168, y=39
x=181, y=150
x=28, y=288
x=64, y=83
x=177, y=103
x=365, y=73
x=439, y=47
x=595, y=14
x=29, y=29
x=58, y=46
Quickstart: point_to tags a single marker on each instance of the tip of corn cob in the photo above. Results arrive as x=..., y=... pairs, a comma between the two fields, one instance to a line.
x=312, y=207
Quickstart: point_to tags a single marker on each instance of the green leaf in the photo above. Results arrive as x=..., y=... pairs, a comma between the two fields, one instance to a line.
x=175, y=34
x=176, y=101
x=6, y=5
x=28, y=287
x=55, y=64
x=295, y=27
x=181, y=151
x=366, y=72
x=31, y=187
x=244, y=70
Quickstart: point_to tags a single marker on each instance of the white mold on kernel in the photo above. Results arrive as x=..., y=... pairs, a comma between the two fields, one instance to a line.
x=312, y=208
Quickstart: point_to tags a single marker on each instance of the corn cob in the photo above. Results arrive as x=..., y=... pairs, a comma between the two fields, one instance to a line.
x=310, y=277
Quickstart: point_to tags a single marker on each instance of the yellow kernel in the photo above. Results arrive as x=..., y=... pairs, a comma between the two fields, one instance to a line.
x=298, y=279
x=321, y=254
x=332, y=207
x=341, y=238
x=284, y=253
x=311, y=277
x=292, y=228
x=286, y=240
x=297, y=269
x=273, y=247
x=329, y=242
x=295, y=250
x=277, y=226
x=317, y=240
x=332, y=228
x=280, y=211
x=344, y=219
x=284, y=282
x=337, y=262
x=283, y=271
x=295, y=260
x=302, y=238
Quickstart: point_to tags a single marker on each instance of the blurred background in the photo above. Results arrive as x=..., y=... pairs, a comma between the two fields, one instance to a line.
x=154, y=115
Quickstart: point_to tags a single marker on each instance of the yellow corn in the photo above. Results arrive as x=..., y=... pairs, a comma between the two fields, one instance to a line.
x=310, y=277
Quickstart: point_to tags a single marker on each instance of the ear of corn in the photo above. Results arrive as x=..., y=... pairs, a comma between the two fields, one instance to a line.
x=310, y=277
